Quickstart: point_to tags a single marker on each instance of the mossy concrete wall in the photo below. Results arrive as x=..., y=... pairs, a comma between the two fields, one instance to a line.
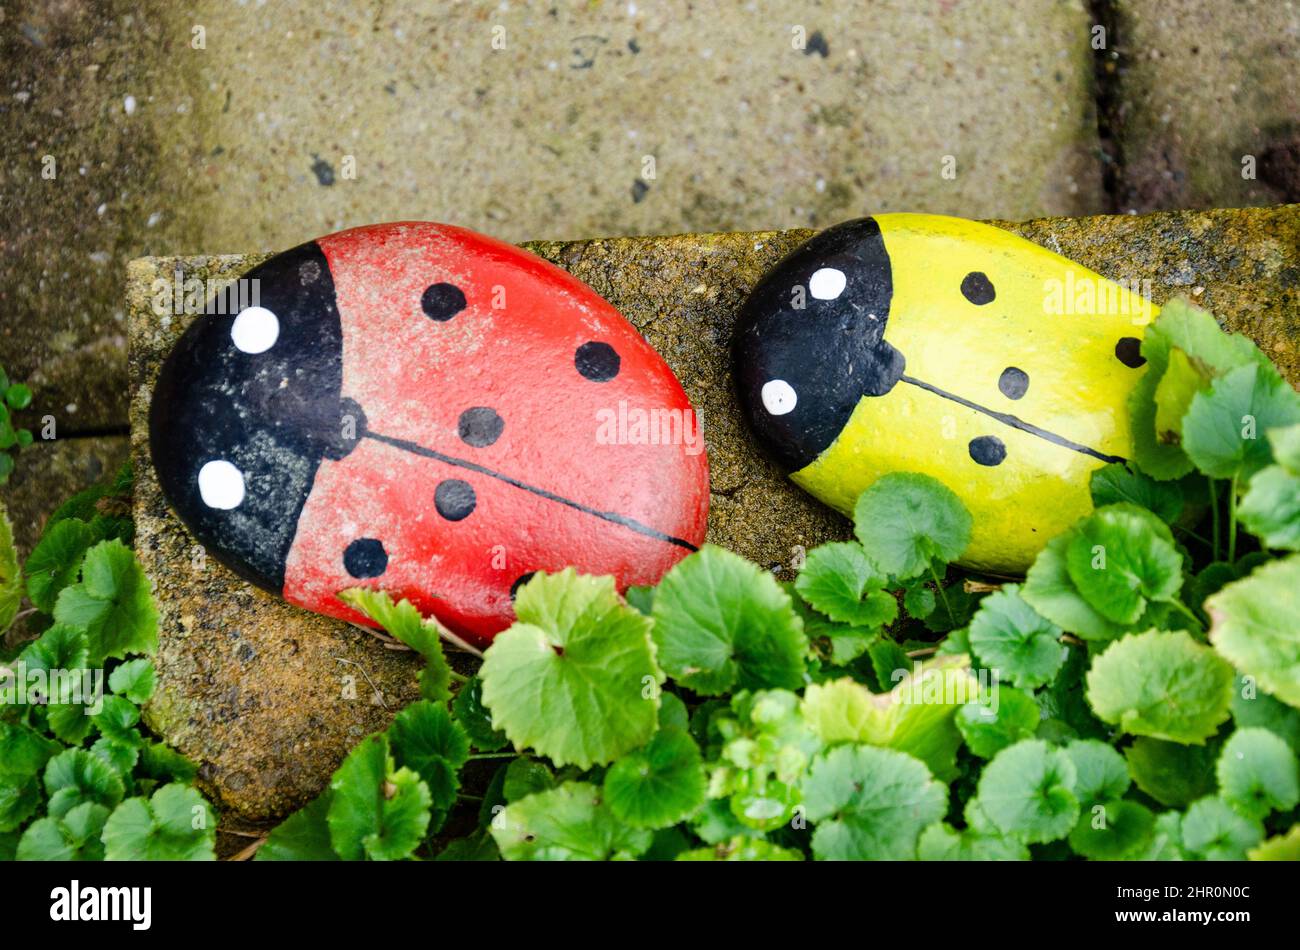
x=259, y=692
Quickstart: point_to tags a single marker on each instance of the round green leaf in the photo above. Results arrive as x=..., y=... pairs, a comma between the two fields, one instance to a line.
x=657, y=785
x=906, y=521
x=1009, y=636
x=569, y=823
x=838, y=580
x=1100, y=773
x=377, y=810
x=1026, y=792
x=1223, y=431
x=941, y=842
x=1110, y=831
x=1258, y=773
x=576, y=677
x=989, y=727
x=1213, y=831
x=1173, y=774
x=1121, y=557
x=722, y=622
x=1253, y=624
x=176, y=824
x=870, y=804
x=1164, y=685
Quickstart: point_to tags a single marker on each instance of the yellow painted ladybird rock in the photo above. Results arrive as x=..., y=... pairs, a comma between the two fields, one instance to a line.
x=920, y=343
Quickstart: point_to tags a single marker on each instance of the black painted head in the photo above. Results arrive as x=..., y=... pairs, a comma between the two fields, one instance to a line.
x=810, y=344
x=246, y=407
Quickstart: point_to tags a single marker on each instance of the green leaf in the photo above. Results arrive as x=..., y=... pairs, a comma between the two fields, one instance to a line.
x=175, y=824
x=1208, y=350
x=940, y=842
x=990, y=726
x=11, y=578
x=766, y=747
x=117, y=719
x=404, y=622
x=75, y=776
x=870, y=804
x=424, y=738
x=1278, y=848
x=916, y=716
x=1171, y=773
x=741, y=849
x=1213, y=831
x=1253, y=625
x=23, y=752
x=1100, y=773
x=477, y=847
x=721, y=622
x=839, y=581
x=112, y=603
x=1253, y=708
x=1258, y=773
x=1163, y=685
x=1122, y=557
x=1026, y=792
x=134, y=679
x=1270, y=509
x=1009, y=636
x=18, y=396
x=475, y=718
x=1224, y=428
x=576, y=677
x=845, y=642
x=56, y=560
x=657, y=785
x=377, y=810
x=1115, y=483
x=1111, y=831
x=303, y=836
x=1049, y=589
x=1286, y=447
x=918, y=600
x=569, y=823
x=525, y=776
x=74, y=837
x=19, y=800
x=164, y=764
x=1180, y=383
x=890, y=662
x=905, y=521
x=673, y=712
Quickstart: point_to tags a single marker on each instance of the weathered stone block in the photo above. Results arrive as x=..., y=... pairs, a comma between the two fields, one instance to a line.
x=252, y=687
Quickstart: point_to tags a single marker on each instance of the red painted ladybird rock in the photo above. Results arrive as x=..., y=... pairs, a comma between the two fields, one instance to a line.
x=418, y=408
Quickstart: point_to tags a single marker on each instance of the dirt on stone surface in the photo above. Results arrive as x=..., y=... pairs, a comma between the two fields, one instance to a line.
x=255, y=690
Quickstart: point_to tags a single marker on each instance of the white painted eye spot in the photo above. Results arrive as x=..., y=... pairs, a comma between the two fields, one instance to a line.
x=779, y=397
x=255, y=330
x=827, y=283
x=221, y=485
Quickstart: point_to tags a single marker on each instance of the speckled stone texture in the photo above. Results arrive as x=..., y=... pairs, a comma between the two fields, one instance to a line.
x=252, y=688
x=1202, y=84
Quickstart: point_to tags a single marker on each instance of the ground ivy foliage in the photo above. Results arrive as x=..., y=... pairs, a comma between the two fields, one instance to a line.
x=81, y=776
x=1136, y=697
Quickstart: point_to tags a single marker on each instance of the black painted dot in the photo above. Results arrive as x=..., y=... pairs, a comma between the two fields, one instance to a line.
x=520, y=581
x=454, y=499
x=480, y=426
x=976, y=288
x=365, y=557
x=988, y=450
x=1129, y=352
x=442, y=301
x=598, y=362
x=1014, y=382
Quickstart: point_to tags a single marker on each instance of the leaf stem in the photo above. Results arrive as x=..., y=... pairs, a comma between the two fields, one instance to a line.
x=457, y=677
x=1232, y=519
x=938, y=586
x=493, y=755
x=1214, y=514
x=1187, y=612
